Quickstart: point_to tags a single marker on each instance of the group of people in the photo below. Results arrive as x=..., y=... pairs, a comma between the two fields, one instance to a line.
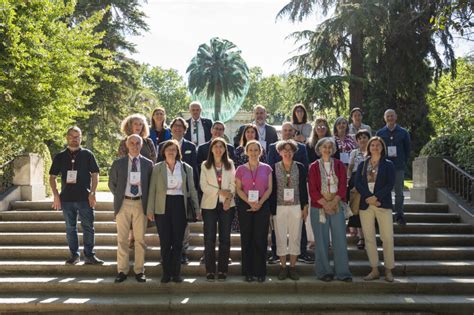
x=265, y=184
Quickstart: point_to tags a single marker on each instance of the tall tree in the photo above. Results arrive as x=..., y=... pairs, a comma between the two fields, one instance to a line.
x=219, y=70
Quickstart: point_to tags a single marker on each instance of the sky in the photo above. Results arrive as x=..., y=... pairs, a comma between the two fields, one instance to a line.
x=178, y=27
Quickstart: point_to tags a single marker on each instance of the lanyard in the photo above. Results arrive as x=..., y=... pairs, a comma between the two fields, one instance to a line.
x=391, y=132
x=287, y=174
x=328, y=176
x=254, y=176
x=73, y=157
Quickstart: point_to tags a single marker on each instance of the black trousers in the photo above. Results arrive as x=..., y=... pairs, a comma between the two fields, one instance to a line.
x=170, y=226
x=253, y=239
x=223, y=219
x=354, y=221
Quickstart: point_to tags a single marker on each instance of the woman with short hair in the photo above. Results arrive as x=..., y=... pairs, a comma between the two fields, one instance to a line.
x=137, y=124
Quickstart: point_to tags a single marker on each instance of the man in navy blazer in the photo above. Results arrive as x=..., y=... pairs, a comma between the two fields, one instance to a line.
x=199, y=128
x=217, y=131
x=287, y=132
x=266, y=134
x=129, y=179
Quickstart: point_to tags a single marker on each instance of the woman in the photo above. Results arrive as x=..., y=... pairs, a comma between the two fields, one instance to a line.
x=344, y=141
x=136, y=124
x=250, y=132
x=356, y=125
x=159, y=131
x=327, y=187
x=218, y=187
x=299, y=119
x=170, y=186
x=289, y=205
x=374, y=180
x=253, y=185
x=357, y=156
x=320, y=130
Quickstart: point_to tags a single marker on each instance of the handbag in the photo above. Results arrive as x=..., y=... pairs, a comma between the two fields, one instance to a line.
x=354, y=201
x=191, y=215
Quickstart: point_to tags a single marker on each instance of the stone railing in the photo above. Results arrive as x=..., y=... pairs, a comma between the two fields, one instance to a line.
x=458, y=181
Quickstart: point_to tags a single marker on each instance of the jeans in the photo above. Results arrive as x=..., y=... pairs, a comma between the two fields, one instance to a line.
x=223, y=219
x=86, y=214
x=336, y=224
x=398, y=188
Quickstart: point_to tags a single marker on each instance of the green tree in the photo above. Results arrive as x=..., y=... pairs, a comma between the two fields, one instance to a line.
x=169, y=88
x=48, y=66
x=218, y=69
x=251, y=99
x=452, y=100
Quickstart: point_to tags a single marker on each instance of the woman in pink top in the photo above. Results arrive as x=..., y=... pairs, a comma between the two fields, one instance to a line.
x=253, y=185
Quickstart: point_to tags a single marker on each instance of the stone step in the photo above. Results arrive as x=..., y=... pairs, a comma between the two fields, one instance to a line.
x=235, y=284
x=244, y=303
x=57, y=267
x=151, y=238
x=110, y=227
x=196, y=252
x=49, y=215
x=108, y=206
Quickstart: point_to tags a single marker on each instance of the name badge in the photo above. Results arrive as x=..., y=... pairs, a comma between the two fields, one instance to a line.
x=187, y=152
x=134, y=178
x=392, y=151
x=253, y=196
x=288, y=194
x=172, y=182
x=344, y=157
x=371, y=187
x=333, y=188
x=71, y=177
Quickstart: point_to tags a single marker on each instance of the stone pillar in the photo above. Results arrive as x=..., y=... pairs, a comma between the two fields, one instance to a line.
x=29, y=175
x=428, y=176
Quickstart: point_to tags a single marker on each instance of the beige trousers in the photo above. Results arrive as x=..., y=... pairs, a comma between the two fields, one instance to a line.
x=288, y=223
x=385, y=221
x=131, y=213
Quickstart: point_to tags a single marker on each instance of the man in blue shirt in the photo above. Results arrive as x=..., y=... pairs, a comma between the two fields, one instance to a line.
x=397, y=141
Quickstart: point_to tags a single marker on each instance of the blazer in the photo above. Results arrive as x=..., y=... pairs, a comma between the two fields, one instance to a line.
x=271, y=136
x=383, y=184
x=210, y=187
x=314, y=182
x=158, y=188
x=118, y=176
x=203, y=152
x=300, y=156
x=153, y=136
x=206, y=125
x=188, y=152
x=303, y=190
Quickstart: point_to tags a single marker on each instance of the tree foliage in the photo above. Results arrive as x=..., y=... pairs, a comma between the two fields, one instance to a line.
x=48, y=68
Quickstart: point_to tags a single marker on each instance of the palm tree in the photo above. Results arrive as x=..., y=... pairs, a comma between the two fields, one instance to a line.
x=218, y=70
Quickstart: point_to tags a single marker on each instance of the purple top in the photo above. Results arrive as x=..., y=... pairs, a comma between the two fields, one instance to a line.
x=247, y=177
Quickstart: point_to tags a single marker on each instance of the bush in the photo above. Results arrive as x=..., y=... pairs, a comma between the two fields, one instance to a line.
x=457, y=147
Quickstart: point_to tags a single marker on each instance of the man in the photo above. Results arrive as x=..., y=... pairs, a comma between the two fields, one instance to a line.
x=273, y=157
x=79, y=178
x=129, y=179
x=217, y=131
x=266, y=134
x=397, y=141
x=188, y=151
x=287, y=132
x=199, y=130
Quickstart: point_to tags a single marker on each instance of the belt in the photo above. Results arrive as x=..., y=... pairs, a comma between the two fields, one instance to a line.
x=133, y=198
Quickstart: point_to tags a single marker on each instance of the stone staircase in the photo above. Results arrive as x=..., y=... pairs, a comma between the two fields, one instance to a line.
x=434, y=273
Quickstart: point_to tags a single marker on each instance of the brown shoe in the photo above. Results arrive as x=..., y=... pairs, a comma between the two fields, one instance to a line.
x=373, y=275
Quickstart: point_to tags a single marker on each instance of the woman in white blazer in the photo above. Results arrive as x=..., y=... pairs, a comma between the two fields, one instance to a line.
x=218, y=206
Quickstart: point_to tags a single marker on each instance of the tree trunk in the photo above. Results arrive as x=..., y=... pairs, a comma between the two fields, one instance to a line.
x=356, y=87
x=217, y=102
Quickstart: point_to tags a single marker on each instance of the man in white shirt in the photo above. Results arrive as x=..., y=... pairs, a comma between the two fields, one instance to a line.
x=199, y=131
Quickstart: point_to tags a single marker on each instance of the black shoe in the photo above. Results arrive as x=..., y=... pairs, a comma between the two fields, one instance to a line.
x=93, y=260
x=140, y=277
x=401, y=221
x=347, y=279
x=305, y=258
x=326, y=278
x=120, y=277
x=184, y=259
x=210, y=277
x=273, y=260
x=249, y=278
x=177, y=279
x=230, y=261
x=72, y=260
x=165, y=279
x=201, y=260
x=221, y=276
x=261, y=279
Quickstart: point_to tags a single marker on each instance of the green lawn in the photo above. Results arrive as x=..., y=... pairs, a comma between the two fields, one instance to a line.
x=102, y=186
x=408, y=183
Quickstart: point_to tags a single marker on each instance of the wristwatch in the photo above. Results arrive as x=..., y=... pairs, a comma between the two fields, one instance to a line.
x=92, y=193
